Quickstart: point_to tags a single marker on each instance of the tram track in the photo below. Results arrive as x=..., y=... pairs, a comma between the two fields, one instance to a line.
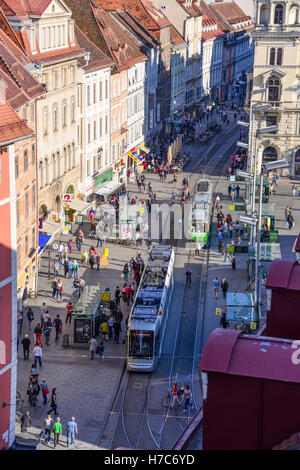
x=139, y=423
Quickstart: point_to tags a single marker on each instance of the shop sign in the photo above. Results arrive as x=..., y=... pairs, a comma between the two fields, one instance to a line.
x=67, y=198
x=54, y=217
x=218, y=311
x=67, y=207
x=79, y=219
x=79, y=196
x=66, y=229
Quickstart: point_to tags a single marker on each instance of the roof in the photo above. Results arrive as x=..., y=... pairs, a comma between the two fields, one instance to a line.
x=83, y=15
x=231, y=14
x=284, y=274
x=135, y=27
x=191, y=10
x=232, y=352
x=121, y=47
x=98, y=59
x=8, y=30
x=25, y=7
x=11, y=126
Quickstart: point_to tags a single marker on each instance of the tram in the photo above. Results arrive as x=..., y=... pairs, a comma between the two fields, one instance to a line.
x=148, y=317
x=201, y=212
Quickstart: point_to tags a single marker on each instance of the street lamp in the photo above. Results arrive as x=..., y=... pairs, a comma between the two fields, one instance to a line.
x=242, y=144
x=243, y=123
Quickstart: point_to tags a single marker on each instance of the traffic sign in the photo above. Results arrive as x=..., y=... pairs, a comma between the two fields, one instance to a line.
x=105, y=296
x=218, y=311
x=67, y=198
x=55, y=246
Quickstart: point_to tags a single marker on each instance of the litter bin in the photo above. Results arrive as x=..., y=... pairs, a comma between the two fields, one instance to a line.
x=66, y=340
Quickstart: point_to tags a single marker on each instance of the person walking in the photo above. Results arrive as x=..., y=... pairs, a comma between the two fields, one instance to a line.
x=126, y=271
x=224, y=287
x=188, y=275
x=223, y=321
x=294, y=190
x=70, y=246
x=38, y=334
x=53, y=402
x=187, y=396
x=104, y=330
x=233, y=262
x=58, y=326
x=93, y=345
x=72, y=430
x=117, y=329
x=37, y=353
x=25, y=421
x=69, y=312
x=75, y=268
x=47, y=428
x=110, y=324
x=30, y=317
x=101, y=351
x=60, y=252
x=45, y=391
x=216, y=285
x=92, y=260
x=26, y=344
x=175, y=396
x=197, y=248
x=59, y=289
x=290, y=220
x=70, y=268
x=117, y=296
x=57, y=431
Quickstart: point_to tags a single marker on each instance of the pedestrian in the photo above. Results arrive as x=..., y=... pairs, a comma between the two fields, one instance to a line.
x=38, y=333
x=128, y=294
x=58, y=326
x=101, y=351
x=57, y=431
x=25, y=421
x=75, y=268
x=45, y=391
x=125, y=271
x=238, y=191
x=290, y=220
x=104, y=330
x=187, y=396
x=70, y=268
x=20, y=321
x=117, y=329
x=223, y=322
x=37, y=353
x=69, y=312
x=30, y=317
x=216, y=285
x=70, y=245
x=132, y=291
x=92, y=260
x=26, y=344
x=229, y=190
x=71, y=431
x=66, y=267
x=233, y=262
x=148, y=243
x=59, y=289
x=188, y=275
x=220, y=238
x=53, y=402
x=93, y=345
x=98, y=259
x=117, y=296
x=54, y=286
x=60, y=251
x=46, y=428
x=84, y=257
x=110, y=324
x=224, y=287
x=175, y=395
x=197, y=248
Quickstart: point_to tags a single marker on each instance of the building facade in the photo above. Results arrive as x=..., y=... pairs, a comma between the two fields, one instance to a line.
x=276, y=68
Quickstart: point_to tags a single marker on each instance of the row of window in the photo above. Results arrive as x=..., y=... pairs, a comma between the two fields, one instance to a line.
x=59, y=164
x=117, y=148
x=59, y=78
x=94, y=131
x=27, y=247
x=26, y=161
x=276, y=56
x=279, y=17
x=95, y=94
x=55, y=116
x=29, y=195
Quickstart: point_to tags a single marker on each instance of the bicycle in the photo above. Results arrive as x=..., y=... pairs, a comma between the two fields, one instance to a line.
x=32, y=293
x=167, y=400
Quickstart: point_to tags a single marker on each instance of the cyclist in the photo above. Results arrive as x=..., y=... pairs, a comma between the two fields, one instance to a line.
x=188, y=275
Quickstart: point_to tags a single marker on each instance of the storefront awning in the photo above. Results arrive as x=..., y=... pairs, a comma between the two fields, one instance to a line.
x=107, y=188
x=143, y=148
x=79, y=206
x=43, y=241
x=50, y=228
x=133, y=154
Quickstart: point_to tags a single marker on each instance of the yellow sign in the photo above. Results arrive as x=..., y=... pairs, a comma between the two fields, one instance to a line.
x=105, y=296
x=67, y=207
x=54, y=217
x=230, y=249
x=79, y=196
x=253, y=325
x=231, y=208
x=106, y=251
x=66, y=229
x=141, y=210
x=103, y=261
x=218, y=311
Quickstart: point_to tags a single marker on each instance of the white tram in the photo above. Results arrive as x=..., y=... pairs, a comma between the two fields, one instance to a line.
x=148, y=317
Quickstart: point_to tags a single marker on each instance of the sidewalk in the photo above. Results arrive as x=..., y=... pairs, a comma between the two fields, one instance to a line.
x=238, y=279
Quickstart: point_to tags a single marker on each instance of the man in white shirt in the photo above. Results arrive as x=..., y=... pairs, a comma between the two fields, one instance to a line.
x=60, y=251
x=37, y=353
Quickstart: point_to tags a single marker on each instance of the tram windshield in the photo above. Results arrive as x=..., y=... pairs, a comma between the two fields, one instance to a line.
x=141, y=344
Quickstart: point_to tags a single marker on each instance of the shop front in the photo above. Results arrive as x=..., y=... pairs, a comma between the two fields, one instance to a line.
x=27, y=281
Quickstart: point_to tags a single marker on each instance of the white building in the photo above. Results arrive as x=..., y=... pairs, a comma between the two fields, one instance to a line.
x=136, y=104
x=93, y=116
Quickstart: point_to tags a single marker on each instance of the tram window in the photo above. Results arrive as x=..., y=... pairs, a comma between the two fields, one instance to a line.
x=141, y=344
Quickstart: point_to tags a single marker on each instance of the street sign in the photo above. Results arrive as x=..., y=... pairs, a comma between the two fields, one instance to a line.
x=105, y=296
x=55, y=246
x=79, y=219
x=253, y=325
x=106, y=251
x=244, y=174
x=218, y=311
x=237, y=207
